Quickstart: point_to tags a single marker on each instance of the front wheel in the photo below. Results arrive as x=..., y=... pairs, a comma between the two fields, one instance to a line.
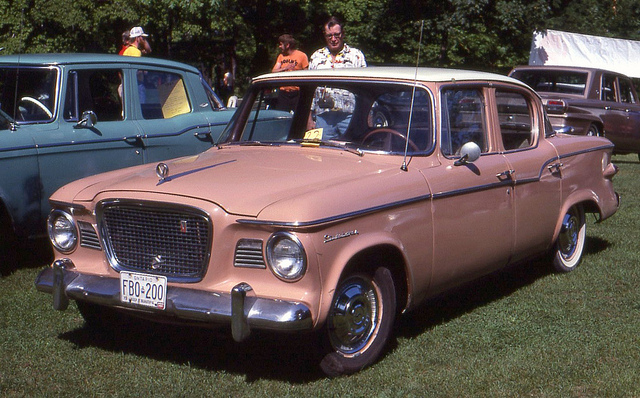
x=570, y=244
x=360, y=321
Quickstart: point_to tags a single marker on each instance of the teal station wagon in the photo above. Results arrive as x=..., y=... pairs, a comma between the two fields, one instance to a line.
x=67, y=116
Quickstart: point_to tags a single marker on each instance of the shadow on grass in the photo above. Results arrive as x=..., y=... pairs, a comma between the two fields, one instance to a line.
x=477, y=293
x=287, y=357
x=31, y=254
x=294, y=357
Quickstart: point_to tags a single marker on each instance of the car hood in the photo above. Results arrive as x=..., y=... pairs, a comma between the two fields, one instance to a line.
x=298, y=184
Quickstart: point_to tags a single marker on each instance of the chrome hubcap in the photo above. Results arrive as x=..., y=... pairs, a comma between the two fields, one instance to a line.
x=569, y=235
x=354, y=316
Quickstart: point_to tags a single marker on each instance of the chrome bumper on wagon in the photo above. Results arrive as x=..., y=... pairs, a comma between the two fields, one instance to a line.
x=243, y=312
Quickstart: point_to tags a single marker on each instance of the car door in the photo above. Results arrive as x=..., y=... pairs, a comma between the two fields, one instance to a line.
x=27, y=106
x=535, y=169
x=629, y=136
x=169, y=113
x=79, y=148
x=615, y=114
x=472, y=202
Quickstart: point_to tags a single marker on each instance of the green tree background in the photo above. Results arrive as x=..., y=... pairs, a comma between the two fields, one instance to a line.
x=241, y=35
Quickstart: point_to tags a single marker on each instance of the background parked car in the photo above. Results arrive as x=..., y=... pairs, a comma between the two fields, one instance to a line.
x=591, y=101
x=431, y=178
x=67, y=116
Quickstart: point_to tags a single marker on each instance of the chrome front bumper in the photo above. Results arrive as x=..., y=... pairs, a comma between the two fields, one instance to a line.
x=238, y=308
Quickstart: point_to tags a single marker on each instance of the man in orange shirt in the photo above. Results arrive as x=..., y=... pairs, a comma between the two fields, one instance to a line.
x=290, y=58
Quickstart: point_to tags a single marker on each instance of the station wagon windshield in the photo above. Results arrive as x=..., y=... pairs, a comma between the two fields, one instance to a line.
x=554, y=81
x=373, y=117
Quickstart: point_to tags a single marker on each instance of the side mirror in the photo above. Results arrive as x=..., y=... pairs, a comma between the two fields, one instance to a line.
x=564, y=130
x=88, y=120
x=469, y=153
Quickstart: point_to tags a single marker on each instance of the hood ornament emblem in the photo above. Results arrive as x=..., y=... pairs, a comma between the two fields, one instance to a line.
x=162, y=171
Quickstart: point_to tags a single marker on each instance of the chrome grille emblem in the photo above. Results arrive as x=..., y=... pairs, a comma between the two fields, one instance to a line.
x=157, y=262
x=183, y=226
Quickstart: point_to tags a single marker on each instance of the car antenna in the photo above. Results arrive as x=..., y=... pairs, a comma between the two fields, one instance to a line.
x=413, y=95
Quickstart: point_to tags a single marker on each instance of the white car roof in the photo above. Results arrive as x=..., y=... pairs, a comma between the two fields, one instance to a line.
x=400, y=73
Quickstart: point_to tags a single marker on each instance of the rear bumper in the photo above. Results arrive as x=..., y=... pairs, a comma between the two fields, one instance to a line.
x=237, y=307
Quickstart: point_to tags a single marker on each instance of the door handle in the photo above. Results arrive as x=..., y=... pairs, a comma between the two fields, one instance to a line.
x=135, y=140
x=506, y=174
x=555, y=168
x=203, y=135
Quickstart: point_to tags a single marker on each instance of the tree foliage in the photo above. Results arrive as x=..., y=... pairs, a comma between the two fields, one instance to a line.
x=242, y=35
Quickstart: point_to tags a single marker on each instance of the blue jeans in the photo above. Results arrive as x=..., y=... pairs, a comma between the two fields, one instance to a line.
x=333, y=124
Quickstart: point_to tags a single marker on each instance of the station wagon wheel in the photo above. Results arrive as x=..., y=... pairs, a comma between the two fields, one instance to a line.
x=360, y=322
x=369, y=139
x=570, y=244
x=593, y=130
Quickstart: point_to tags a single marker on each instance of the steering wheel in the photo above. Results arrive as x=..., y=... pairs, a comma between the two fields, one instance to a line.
x=39, y=104
x=386, y=141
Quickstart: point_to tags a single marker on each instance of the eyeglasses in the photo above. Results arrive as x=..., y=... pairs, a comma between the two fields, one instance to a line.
x=334, y=35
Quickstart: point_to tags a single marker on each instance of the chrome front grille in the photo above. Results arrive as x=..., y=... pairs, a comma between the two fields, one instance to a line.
x=166, y=240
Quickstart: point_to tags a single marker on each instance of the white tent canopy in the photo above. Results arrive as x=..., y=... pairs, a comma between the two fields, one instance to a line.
x=553, y=47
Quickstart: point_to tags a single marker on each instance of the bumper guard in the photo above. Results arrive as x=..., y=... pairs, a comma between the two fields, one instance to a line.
x=244, y=312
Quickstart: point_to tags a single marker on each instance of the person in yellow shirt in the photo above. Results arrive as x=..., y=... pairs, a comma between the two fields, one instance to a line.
x=138, y=43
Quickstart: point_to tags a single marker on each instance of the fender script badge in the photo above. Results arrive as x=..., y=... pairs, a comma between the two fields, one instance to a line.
x=331, y=238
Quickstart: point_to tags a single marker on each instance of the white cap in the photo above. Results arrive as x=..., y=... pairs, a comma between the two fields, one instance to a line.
x=137, y=31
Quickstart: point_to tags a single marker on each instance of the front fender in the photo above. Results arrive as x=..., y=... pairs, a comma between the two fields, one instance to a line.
x=344, y=256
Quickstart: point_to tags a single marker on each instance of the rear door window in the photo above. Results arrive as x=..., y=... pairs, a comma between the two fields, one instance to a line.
x=627, y=93
x=516, y=120
x=162, y=95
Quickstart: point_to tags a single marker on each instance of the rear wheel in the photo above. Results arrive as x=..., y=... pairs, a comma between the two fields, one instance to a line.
x=570, y=244
x=360, y=321
x=593, y=130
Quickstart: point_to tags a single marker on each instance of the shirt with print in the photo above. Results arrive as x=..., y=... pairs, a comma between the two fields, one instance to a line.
x=342, y=100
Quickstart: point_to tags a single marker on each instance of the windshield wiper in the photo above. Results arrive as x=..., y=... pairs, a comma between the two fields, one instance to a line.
x=331, y=144
x=248, y=143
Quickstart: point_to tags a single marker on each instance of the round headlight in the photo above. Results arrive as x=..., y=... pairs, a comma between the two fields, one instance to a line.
x=286, y=256
x=62, y=231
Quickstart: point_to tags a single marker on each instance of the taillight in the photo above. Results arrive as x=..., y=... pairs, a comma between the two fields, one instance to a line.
x=556, y=106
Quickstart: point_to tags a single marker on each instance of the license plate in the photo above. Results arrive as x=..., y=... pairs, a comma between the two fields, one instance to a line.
x=143, y=289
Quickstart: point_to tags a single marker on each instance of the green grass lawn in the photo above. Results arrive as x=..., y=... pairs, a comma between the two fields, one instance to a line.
x=520, y=332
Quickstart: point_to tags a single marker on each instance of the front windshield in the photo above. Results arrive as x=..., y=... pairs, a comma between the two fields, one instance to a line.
x=363, y=115
x=28, y=94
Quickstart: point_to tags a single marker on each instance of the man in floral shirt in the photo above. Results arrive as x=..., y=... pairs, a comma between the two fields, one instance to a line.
x=332, y=108
x=337, y=54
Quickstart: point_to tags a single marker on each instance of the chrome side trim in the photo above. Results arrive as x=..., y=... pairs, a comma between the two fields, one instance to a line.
x=594, y=149
x=236, y=308
x=336, y=218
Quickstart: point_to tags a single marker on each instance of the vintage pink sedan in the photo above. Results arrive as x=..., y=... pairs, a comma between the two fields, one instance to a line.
x=366, y=192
